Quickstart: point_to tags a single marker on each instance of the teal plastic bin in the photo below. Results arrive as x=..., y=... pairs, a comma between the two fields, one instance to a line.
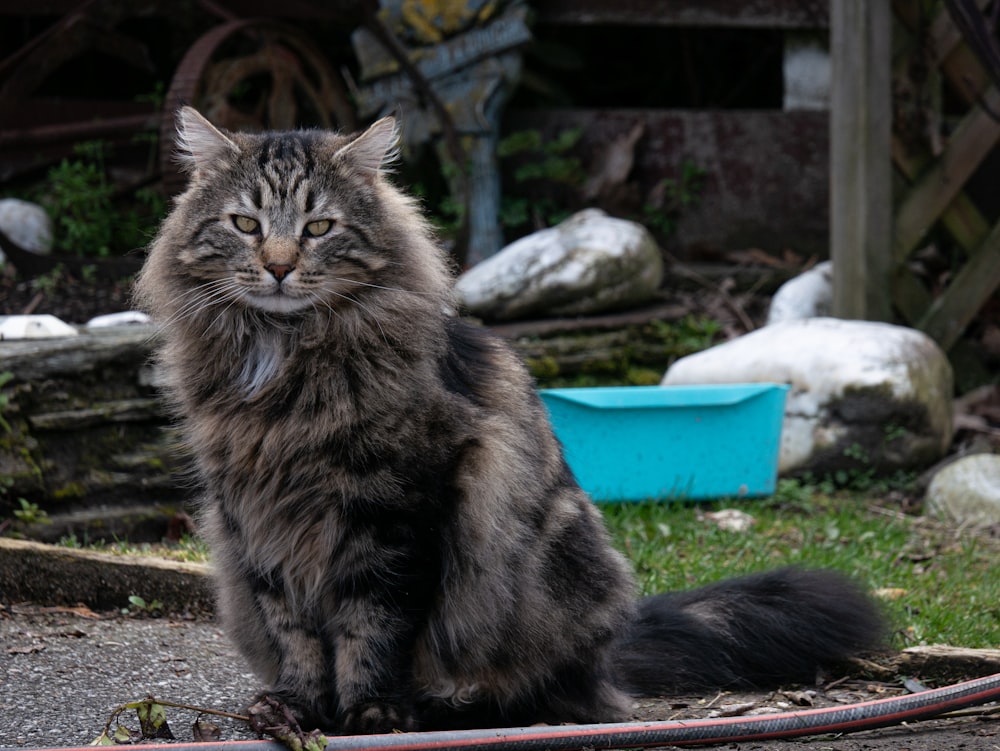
x=636, y=443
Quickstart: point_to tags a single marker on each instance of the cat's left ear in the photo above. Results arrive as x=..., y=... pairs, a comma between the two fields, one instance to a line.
x=376, y=148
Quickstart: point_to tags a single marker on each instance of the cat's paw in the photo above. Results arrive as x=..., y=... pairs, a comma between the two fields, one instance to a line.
x=270, y=715
x=370, y=717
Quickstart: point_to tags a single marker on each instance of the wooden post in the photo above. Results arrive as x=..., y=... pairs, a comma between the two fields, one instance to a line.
x=860, y=158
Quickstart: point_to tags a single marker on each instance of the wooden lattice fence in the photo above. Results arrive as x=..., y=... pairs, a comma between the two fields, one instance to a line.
x=932, y=169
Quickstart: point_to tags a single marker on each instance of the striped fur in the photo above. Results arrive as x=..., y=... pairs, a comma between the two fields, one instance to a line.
x=397, y=539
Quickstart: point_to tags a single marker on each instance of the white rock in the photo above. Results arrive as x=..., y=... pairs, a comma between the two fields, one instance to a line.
x=808, y=295
x=807, y=68
x=731, y=519
x=27, y=224
x=587, y=264
x=967, y=491
x=863, y=395
x=126, y=318
x=34, y=327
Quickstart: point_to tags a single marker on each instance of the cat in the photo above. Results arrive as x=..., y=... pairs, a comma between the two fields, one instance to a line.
x=398, y=541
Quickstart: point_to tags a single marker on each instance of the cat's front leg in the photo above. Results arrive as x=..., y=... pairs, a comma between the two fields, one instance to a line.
x=283, y=647
x=374, y=670
x=382, y=584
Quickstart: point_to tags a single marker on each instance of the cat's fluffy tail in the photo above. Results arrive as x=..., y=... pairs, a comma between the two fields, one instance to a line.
x=752, y=631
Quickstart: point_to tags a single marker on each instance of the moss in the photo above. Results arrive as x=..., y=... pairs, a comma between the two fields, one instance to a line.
x=643, y=377
x=543, y=367
x=880, y=433
x=69, y=490
x=606, y=367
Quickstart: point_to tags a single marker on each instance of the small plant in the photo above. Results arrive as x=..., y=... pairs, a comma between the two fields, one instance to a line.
x=792, y=494
x=90, y=217
x=672, y=196
x=139, y=605
x=79, y=199
x=49, y=281
x=857, y=452
x=894, y=432
x=31, y=513
x=5, y=378
x=540, y=162
x=70, y=541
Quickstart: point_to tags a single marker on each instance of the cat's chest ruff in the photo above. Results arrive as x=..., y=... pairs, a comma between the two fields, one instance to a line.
x=262, y=362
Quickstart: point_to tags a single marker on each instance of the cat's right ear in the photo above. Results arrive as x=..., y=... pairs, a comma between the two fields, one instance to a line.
x=199, y=143
x=375, y=149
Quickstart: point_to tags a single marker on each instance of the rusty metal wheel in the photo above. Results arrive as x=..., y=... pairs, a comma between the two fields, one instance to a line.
x=254, y=74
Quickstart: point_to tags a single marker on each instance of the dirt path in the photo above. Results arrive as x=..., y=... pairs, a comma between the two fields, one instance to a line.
x=63, y=671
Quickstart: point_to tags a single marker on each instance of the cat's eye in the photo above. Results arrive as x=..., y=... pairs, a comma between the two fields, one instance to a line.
x=318, y=228
x=246, y=224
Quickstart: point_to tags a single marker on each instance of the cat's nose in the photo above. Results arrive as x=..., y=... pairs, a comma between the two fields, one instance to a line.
x=279, y=270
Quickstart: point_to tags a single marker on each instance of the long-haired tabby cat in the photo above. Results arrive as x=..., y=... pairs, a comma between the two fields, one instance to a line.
x=398, y=541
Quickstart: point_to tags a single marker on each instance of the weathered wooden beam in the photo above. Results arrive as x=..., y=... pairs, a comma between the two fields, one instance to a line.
x=964, y=222
x=960, y=216
x=84, y=424
x=910, y=297
x=860, y=169
x=954, y=308
x=770, y=14
x=972, y=140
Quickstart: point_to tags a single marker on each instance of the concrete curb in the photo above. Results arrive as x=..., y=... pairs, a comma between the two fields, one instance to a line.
x=53, y=575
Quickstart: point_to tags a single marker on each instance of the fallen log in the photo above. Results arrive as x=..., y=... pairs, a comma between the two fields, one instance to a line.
x=83, y=426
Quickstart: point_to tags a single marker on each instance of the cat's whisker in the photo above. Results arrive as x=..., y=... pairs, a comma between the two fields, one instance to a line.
x=201, y=304
x=381, y=286
x=222, y=312
x=199, y=297
x=314, y=301
x=209, y=295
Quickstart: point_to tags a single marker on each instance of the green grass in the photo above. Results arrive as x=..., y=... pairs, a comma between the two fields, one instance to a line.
x=189, y=549
x=938, y=585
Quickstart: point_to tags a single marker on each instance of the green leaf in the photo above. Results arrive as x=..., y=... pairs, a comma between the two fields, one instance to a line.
x=153, y=720
x=123, y=735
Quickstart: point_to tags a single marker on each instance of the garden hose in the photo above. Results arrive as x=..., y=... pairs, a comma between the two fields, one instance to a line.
x=853, y=717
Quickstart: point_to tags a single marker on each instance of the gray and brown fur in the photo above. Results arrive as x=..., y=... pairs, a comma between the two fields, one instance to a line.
x=398, y=540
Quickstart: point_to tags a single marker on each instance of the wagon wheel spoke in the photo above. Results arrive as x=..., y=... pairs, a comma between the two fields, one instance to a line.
x=253, y=75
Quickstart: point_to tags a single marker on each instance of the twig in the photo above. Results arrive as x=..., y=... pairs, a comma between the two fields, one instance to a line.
x=33, y=305
x=176, y=705
x=728, y=299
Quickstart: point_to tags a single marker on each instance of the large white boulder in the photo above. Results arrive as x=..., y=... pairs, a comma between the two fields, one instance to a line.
x=587, y=264
x=967, y=491
x=39, y=326
x=27, y=224
x=808, y=295
x=863, y=395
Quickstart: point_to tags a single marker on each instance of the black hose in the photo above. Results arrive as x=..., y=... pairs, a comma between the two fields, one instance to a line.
x=853, y=717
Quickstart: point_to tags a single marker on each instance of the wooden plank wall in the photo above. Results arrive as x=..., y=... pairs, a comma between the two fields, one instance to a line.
x=767, y=180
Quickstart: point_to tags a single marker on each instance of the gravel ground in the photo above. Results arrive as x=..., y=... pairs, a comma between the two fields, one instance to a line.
x=62, y=675
x=63, y=671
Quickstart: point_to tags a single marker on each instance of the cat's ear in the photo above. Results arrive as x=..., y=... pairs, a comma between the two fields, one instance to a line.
x=376, y=148
x=200, y=144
